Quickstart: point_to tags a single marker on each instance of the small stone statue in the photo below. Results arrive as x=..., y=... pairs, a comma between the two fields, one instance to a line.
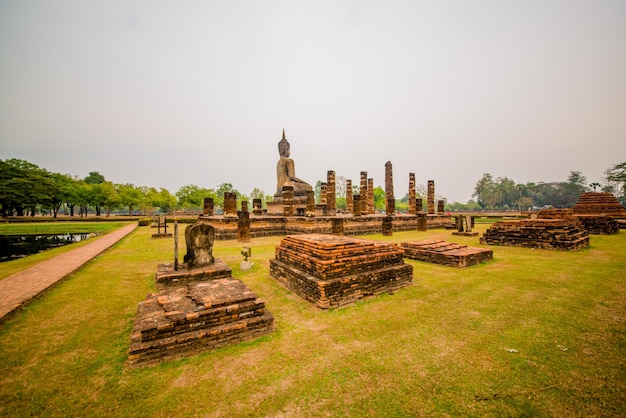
x=199, y=238
x=286, y=171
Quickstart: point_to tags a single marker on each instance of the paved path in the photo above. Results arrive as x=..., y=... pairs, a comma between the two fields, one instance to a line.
x=25, y=285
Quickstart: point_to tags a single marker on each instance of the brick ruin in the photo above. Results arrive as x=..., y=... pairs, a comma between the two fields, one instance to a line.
x=332, y=271
x=554, y=234
x=593, y=223
x=464, y=225
x=446, y=253
x=195, y=308
x=595, y=203
x=294, y=202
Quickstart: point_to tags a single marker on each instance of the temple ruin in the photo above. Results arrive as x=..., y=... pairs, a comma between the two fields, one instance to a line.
x=294, y=211
x=198, y=306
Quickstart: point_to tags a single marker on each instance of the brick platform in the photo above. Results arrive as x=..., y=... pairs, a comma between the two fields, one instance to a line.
x=186, y=320
x=555, y=234
x=446, y=253
x=332, y=271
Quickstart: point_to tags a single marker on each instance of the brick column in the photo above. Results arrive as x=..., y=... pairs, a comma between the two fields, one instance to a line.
x=370, y=196
x=419, y=205
x=389, y=195
x=207, y=210
x=288, y=201
x=310, y=203
x=412, y=209
x=349, y=205
x=357, y=205
x=230, y=204
x=363, y=193
x=330, y=193
x=323, y=193
x=431, y=197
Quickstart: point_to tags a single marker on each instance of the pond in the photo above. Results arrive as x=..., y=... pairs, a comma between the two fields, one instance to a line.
x=17, y=246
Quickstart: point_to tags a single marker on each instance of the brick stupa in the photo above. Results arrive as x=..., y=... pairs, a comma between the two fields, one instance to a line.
x=595, y=203
x=332, y=271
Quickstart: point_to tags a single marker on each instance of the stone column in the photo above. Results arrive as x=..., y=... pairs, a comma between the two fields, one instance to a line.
x=288, y=201
x=330, y=194
x=469, y=222
x=208, y=206
x=257, y=206
x=323, y=193
x=310, y=203
x=419, y=205
x=337, y=226
x=459, y=223
x=431, y=197
x=421, y=221
x=363, y=193
x=230, y=205
x=243, y=224
x=389, y=195
x=349, y=205
x=370, y=196
x=244, y=206
x=357, y=205
x=387, y=226
x=391, y=206
x=412, y=209
x=440, y=206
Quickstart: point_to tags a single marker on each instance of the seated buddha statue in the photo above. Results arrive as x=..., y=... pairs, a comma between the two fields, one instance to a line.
x=286, y=171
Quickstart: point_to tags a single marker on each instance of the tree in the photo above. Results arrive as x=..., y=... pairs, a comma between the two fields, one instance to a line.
x=130, y=196
x=615, y=178
x=94, y=178
x=24, y=186
x=162, y=199
x=191, y=197
x=485, y=192
x=379, y=199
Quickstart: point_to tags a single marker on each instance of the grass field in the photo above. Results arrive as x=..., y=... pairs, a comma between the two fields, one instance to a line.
x=441, y=347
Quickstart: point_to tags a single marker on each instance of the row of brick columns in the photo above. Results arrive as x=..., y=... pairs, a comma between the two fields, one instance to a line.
x=355, y=204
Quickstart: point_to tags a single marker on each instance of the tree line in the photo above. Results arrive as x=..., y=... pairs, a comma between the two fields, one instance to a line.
x=503, y=193
x=26, y=189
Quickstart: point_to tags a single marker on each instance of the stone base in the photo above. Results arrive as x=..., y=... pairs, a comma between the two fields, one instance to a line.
x=187, y=320
x=167, y=277
x=466, y=234
x=168, y=235
x=551, y=234
x=333, y=271
x=446, y=253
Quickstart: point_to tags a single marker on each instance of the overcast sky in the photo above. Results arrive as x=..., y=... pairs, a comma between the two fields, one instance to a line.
x=169, y=93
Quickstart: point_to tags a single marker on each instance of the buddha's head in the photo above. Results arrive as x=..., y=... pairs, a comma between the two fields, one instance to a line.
x=283, y=146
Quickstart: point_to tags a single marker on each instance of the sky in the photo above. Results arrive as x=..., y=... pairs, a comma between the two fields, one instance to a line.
x=165, y=94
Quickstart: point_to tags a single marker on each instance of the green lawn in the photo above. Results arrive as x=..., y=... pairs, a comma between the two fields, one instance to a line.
x=437, y=348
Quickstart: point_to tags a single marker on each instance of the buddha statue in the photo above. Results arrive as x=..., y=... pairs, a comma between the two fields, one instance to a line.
x=286, y=171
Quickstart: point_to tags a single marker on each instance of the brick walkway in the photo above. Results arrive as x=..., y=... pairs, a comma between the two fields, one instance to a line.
x=21, y=287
